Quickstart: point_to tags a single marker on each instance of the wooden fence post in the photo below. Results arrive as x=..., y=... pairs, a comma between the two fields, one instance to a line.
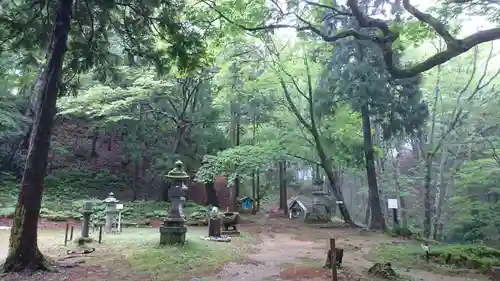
x=333, y=259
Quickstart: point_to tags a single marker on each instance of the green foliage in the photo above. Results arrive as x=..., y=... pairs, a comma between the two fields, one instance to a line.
x=66, y=192
x=137, y=26
x=240, y=160
x=443, y=257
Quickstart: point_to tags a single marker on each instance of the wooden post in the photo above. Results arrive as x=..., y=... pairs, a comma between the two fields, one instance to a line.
x=333, y=260
x=71, y=232
x=66, y=235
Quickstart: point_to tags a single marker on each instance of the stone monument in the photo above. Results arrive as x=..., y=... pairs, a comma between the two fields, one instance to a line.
x=173, y=231
x=87, y=212
x=111, y=212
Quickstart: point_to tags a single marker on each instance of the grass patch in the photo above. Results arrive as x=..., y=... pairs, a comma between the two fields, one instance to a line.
x=447, y=258
x=146, y=258
x=136, y=255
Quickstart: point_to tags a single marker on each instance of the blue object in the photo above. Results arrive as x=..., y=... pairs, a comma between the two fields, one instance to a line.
x=247, y=203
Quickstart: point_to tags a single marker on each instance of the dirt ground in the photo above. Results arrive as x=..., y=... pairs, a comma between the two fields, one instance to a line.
x=283, y=250
x=291, y=251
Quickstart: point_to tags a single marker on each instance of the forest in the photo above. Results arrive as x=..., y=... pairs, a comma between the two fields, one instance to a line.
x=371, y=100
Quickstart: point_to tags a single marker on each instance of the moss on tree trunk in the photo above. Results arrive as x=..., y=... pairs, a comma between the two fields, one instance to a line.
x=23, y=249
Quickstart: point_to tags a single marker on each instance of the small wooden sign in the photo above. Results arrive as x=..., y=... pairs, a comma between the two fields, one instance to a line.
x=119, y=206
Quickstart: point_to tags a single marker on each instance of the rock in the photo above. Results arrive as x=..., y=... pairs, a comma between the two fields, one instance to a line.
x=383, y=271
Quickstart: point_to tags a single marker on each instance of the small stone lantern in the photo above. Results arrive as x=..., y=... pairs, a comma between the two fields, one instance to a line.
x=87, y=210
x=110, y=211
x=173, y=231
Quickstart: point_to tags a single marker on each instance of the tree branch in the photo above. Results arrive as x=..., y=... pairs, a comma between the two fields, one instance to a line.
x=454, y=46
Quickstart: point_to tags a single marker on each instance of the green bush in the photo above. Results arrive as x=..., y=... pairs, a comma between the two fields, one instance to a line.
x=470, y=256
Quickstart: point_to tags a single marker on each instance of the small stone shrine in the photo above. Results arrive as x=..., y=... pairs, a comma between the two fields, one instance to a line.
x=173, y=231
x=320, y=210
x=111, y=212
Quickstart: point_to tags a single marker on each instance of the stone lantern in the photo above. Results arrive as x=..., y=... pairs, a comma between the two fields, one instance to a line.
x=110, y=211
x=173, y=231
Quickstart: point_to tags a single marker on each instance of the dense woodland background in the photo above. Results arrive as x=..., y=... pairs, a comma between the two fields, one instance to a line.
x=241, y=89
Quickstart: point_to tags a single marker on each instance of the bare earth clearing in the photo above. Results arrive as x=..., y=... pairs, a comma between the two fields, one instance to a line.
x=282, y=250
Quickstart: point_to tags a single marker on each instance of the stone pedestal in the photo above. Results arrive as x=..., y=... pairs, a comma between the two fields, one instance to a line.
x=214, y=227
x=173, y=232
x=110, y=219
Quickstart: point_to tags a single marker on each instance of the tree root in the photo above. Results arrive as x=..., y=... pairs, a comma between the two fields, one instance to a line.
x=13, y=263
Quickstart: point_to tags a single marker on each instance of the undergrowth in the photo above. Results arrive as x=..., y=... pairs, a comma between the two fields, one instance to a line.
x=476, y=257
x=65, y=193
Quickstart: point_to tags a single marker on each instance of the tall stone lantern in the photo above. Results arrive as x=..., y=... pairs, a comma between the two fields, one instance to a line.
x=173, y=231
x=110, y=211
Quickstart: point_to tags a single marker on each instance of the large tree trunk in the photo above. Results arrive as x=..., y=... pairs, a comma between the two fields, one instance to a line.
x=333, y=180
x=399, y=189
x=427, y=197
x=377, y=218
x=211, y=194
x=23, y=248
x=281, y=183
x=440, y=193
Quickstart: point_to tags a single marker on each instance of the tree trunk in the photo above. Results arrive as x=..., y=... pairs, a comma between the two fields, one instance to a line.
x=254, y=193
x=233, y=197
x=95, y=138
x=366, y=220
x=439, y=193
x=23, y=248
x=285, y=195
x=254, y=180
x=377, y=218
x=427, y=197
x=402, y=203
x=211, y=194
x=135, y=180
x=257, y=190
x=281, y=183
x=237, y=143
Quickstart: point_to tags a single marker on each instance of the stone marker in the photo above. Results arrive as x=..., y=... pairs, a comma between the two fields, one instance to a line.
x=87, y=212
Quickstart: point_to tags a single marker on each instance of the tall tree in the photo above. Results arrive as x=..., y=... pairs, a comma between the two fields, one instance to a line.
x=26, y=26
x=23, y=247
